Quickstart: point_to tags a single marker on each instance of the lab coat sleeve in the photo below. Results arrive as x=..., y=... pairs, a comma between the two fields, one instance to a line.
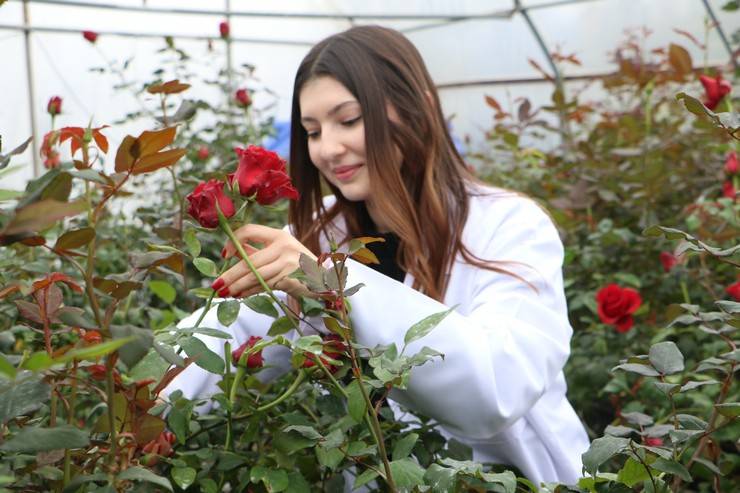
x=504, y=353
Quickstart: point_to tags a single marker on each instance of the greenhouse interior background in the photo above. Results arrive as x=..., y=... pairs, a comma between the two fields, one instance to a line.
x=472, y=49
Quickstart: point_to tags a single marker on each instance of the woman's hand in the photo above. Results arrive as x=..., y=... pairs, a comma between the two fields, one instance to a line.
x=274, y=262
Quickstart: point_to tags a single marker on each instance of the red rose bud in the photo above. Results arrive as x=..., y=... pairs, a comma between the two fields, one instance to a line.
x=54, y=106
x=91, y=36
x=734, y=290
x=615, y=306
x=242, y=97
x=97, y=372
x=668, y=260
x=334, y=348
x=224, y=29
x=160, y=446
x=254, y=360
x=715, y=88
x=203, y=202
x=728, y=190
x=203, y=152
x=92, y=337
x=263, y=173
x=731, y=164
x=653, y=441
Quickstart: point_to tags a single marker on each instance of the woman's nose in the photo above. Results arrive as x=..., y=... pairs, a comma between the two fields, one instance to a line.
x=331, y=146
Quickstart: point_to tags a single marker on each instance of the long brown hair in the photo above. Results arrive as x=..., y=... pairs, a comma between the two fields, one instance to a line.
x=425, y=201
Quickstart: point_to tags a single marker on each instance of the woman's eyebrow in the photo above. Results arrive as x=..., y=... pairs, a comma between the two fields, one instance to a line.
x=331, y=111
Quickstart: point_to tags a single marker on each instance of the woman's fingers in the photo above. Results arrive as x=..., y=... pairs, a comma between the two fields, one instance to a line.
x=249, y=281
x=241, y=270
x=230, y=250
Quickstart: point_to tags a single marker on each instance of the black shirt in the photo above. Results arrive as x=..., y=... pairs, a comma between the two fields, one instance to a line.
x=385, y=251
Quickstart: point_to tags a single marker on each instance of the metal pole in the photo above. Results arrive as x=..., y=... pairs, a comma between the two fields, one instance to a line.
x=721, y=32
x=31, y=95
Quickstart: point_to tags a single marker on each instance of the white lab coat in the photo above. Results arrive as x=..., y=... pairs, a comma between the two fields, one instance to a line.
x=500, y=388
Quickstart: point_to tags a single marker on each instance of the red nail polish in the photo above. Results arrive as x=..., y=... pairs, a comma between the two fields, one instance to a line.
x=223, y=253
x=224, y=293
x=218, y=284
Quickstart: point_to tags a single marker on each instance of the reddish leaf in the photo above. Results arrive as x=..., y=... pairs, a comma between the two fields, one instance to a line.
x=40, y=215
x=159, y=160
x=151, y=142
x=75, y=239
x=679, y=59
x=124, y=156
x=171, y=87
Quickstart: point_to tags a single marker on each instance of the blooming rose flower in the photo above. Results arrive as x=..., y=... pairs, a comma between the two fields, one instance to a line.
x=203, y=202
x=715, y=88
x=54, y=106
x=91, y=36
x=731, y=164
x=262, y=172
x=616, y=306
x=224, y=29
x=668, y=260
x=203, y=152
x=159, y=447
x=734, y=290
x=334, y=348
x=241, y=96
x=254, y=360
x=728, y=190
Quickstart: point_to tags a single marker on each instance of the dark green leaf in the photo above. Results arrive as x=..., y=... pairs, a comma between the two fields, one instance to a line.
x=75, y=239
x=601, y=450
x=646, y=370
x=632, y=472
x=141, y=474
x=227, y=312
x=192, y=243
x=355, y=401
x=7, y=369
x=183, y=476
x=407, y=473
x=666, y=357
x=728, y=409
x=261, y=304
x=441, y=479
x=22, y=396
x=403, y=447
x=280, y=326
x=204, y=357
x=32, y=439
x=364, y=478
x=671, y=467
x=141, y=341
x=168, y=354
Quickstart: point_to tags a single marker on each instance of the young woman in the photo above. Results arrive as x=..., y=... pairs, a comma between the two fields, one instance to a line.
x=367, y=121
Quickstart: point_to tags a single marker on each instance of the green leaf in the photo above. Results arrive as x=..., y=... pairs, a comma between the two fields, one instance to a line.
x=671, y=467
x=274, y=479
x=441, y=479
x=403, y=447
x=163, y=290
x=90, y=175
x=77, y=481
x=140, y=474
x=280, y=326
x=306, y=431
x=632, y=472
x=329, y=458
x=227, y=312
x=32, y=439
x=407, y=473
x=139, y=342
x=507, y=479
x=168, y=354
x=261, y=304
x=192, y=243
x=5, y=160
x=666, y=357
x=646, y=370
x=179, y=420
x=75, y=239
x=728, y=409
x=6, y=368
x=297, y=483
x=206, y=266
x=204, y=357
x=601, y=450
x=183, y=476
x=22, y=396
x=355, y=401
x=424, y=326
x=365, y=478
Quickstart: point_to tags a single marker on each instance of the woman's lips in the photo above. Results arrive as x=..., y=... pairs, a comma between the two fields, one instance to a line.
x=345, y=173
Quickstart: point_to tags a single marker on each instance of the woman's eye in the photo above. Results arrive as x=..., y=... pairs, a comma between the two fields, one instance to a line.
x=349, y=123
x=311, y=135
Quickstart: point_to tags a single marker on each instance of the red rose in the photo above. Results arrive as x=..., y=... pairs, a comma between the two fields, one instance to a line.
x=241, y=96
x=262, y=172
x=616, y=306
x=653, y=441
x=728, y=190
x=91, y=36
x=203, y=152
x=715, y=88
x=203, y=203
x=92, y=337
x=54, y=106
x=224, y=29
x=668, y=260
x=254, y=360
x=734, y=290
x=334, y=348
x=731, y=164
x=99, y=372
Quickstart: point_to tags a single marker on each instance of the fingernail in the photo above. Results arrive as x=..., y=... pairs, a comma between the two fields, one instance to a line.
x=224, y=293
x=218, y=284
x=223, y=253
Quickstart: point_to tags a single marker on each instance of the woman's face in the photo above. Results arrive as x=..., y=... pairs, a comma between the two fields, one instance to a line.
x=332, y=118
